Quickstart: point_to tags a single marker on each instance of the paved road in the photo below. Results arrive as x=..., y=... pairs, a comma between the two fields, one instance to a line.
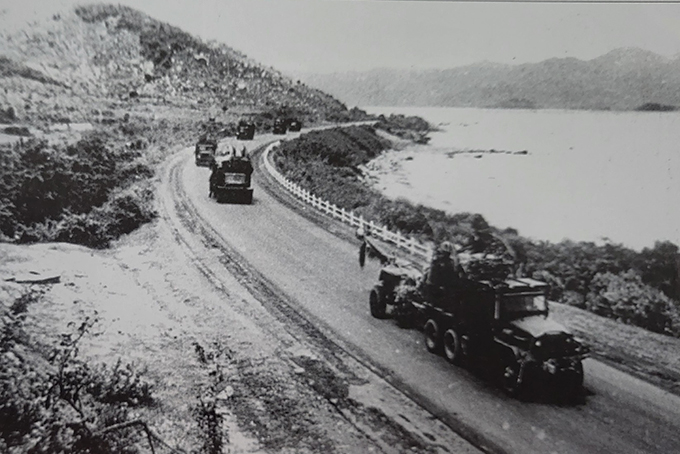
x=320, y=274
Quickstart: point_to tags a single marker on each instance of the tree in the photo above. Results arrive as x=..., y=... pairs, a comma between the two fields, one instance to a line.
x=660, y=268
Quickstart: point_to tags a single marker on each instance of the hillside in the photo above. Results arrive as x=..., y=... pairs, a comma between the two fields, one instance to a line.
x=623, y=79
x=100, y=56
x=96, y=97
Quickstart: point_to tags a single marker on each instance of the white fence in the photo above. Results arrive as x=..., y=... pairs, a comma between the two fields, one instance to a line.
x=410, y=245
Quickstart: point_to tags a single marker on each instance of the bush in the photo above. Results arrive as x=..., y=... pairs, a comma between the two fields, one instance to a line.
x=626, y=298
x=17, y=131
x=87, y=193
x=52, y=401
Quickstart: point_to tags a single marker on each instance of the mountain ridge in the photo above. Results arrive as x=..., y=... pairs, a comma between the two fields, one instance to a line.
x=103, y=54
x=622, y=79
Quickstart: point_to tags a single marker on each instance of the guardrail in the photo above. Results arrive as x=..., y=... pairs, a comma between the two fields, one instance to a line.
x=410, y=245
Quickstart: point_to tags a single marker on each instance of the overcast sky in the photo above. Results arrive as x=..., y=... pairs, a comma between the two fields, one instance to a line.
x=325, y=36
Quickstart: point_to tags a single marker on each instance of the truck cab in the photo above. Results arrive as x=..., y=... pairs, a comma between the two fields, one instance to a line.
x=280, y=126
x=294, y=125
x=204, y=152
x=245, y=130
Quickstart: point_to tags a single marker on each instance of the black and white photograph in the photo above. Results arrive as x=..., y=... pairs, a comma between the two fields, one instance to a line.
x=339, y=226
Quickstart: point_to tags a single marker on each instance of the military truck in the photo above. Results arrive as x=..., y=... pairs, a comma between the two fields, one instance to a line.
x=500, y=324
x=204, y=153
x=245, y=130
x=294, y=125
x=230, y=179
x=280, y=126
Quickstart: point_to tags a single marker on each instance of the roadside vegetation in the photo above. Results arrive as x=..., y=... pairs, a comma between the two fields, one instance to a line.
x=637, y=288
x=54, y=401
x=90, y=192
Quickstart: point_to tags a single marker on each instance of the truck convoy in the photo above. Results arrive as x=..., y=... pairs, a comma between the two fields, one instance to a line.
x=231, y=176
x=495, y=321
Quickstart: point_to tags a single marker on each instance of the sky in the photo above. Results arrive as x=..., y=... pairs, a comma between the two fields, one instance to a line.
x=321, y=36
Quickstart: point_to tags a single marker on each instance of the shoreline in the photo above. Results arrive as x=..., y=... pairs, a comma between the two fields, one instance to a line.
x=603, y=197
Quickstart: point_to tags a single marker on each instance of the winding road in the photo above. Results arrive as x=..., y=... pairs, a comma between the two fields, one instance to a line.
x=316, y=268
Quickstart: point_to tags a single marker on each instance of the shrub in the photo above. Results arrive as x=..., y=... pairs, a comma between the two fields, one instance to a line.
x=52, y=401
x=87, y=193
x=626, y=298
x=17, y=131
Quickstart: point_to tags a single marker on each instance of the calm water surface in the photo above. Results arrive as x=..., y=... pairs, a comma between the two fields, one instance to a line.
x=586, y=175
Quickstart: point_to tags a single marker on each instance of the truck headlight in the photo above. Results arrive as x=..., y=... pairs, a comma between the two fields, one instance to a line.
x=550, y=367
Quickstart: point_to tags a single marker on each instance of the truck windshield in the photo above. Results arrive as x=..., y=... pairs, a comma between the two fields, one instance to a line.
x=514, y=306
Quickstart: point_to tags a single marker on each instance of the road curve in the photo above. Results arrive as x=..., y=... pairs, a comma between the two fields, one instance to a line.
x=319, y=273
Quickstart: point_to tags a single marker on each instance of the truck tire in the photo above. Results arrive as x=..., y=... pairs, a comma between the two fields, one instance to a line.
x=574, y=389
x=511, y=380
x=453, y=349
x=377, y=303
x=433, y=337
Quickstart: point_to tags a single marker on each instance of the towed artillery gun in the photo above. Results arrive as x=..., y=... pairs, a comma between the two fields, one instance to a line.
x=474, y=312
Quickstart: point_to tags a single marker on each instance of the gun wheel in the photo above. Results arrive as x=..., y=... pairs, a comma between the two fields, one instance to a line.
x=377, y=303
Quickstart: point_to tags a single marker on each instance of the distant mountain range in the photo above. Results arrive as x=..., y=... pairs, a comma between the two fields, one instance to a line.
x=623, y=79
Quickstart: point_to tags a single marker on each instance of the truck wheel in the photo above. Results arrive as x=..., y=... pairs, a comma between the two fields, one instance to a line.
x=510, y=376
x=452, y=347
x=377, y=303
x=575, y=391
x=433, y=340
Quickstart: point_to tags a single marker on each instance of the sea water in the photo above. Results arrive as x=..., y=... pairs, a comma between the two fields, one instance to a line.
x=553, y=174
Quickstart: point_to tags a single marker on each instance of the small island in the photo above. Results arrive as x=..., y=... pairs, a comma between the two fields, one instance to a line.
x=517, y=103
x=656, y=107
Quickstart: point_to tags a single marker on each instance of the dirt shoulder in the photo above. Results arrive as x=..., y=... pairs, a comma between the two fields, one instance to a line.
x=164, y=301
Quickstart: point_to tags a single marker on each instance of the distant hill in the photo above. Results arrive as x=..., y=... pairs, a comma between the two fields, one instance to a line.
x=60, y=69
x=623, y=79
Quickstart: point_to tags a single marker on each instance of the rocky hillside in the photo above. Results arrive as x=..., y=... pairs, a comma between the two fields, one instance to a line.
x=623, y=79
x=79, y=62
